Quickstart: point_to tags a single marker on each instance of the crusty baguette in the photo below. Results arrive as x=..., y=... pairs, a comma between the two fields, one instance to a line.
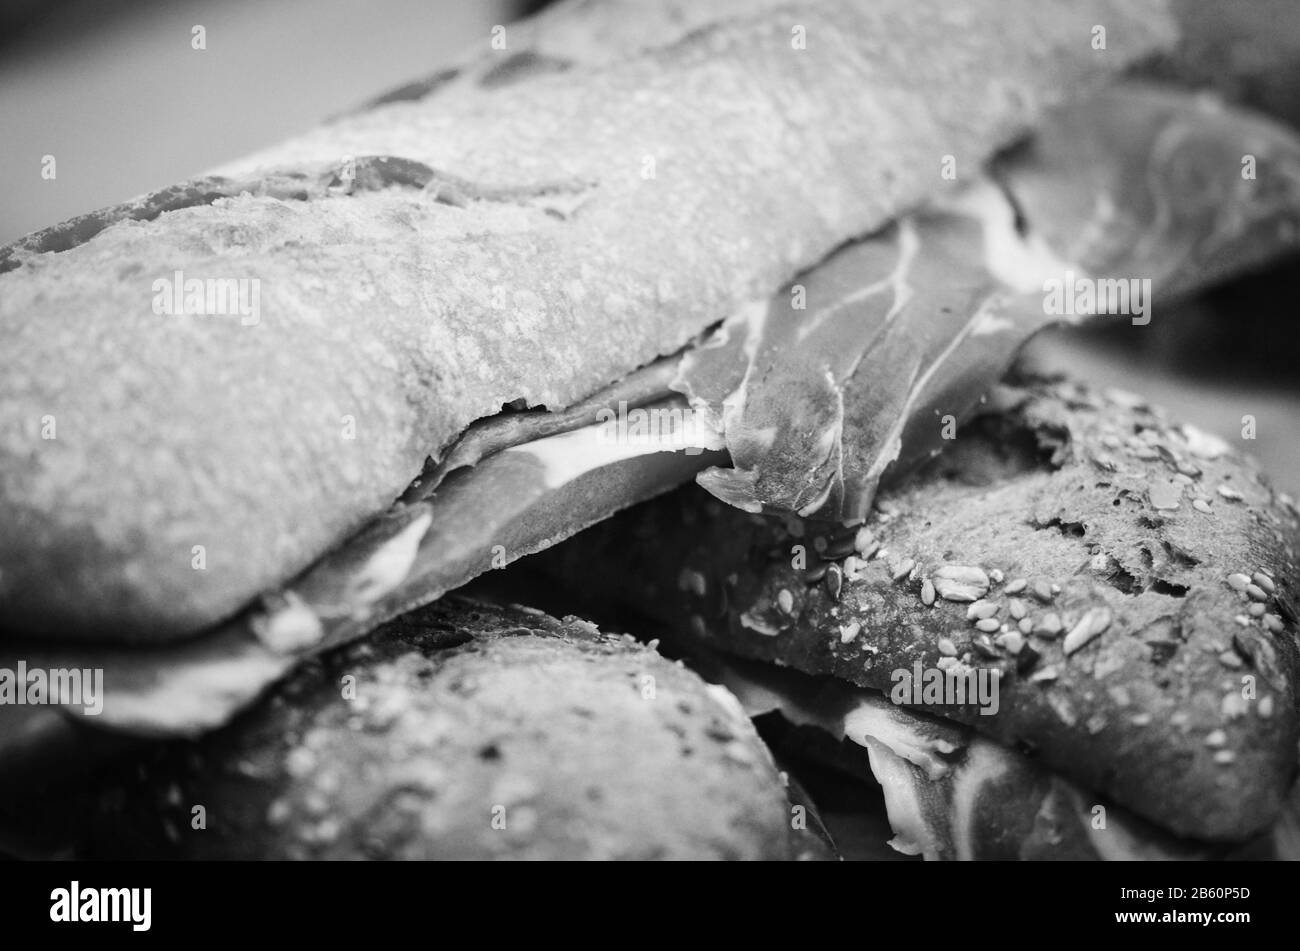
x=512, y=247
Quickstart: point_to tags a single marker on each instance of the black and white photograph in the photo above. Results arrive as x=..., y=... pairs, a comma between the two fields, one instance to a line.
x=651, y=430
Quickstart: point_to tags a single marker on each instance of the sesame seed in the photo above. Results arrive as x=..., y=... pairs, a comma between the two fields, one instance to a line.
x=1140, y=719
x=1242, y=620
x=1230, y=660
x=1273, y=623
x=943, y=663
x=1202, y=506
x=1231, y=494
x=849, y=631
x=1264, y=581
x=1043, y=592
x=996, y=575
x=1266, y=707
x=1016, y=586
x=1238, y=582
x=819, y=544
x=863, y=540
x=1224, y=757
x=981, y=609
x=1050, y=625
x=1216, y=738
x=1016, y=608
x=947, y=647
x=1255, y=610
x=1256, y=593
x=988, y=625
x=1025, y=625
x=1045, y=675
x=927, y=592
x=785, y=601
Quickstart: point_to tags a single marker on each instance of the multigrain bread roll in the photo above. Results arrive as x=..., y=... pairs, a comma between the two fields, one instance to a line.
x=470, y=731
x=1133, y=580
x=415, y=266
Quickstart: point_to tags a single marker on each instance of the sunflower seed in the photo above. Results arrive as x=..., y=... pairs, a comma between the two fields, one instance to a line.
x=960, y=583
x=1016, y=586
x=988, y=625
x=1264, y=581
x=834, y=581
x=1016, y=608
x=927, y=592
x=1238, y=581
x=1093, y=623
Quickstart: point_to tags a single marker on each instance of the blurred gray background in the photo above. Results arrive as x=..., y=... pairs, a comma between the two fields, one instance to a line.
x=112, y=89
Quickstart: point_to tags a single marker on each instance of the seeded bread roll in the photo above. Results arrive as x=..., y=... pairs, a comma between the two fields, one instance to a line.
x=528, y=231
x=469, y=731
x=1133, y=580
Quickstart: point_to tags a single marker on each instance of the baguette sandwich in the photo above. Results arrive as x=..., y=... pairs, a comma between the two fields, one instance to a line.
x=778, y=249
